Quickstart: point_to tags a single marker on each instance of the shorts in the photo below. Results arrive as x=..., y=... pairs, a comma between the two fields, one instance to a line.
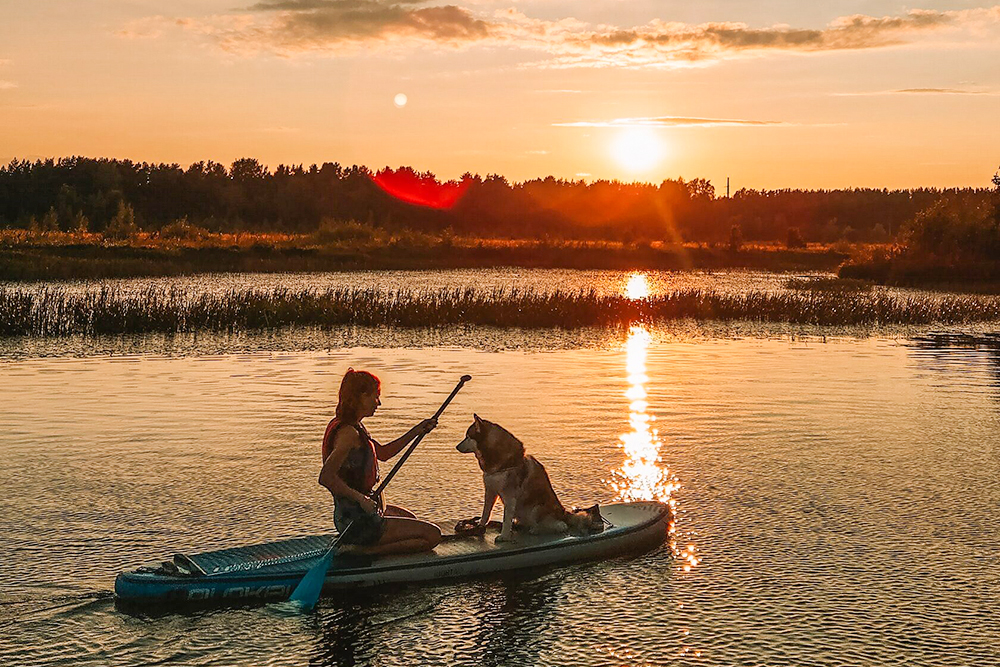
x=356, y=525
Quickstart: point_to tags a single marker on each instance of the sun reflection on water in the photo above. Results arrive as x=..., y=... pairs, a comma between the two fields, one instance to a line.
x=643, y=475
x=637, y=286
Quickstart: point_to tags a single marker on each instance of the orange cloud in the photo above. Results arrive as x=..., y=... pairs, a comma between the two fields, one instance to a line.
x=290, y=27
x=660, y=44
x=670, y=121
x=921, y=91
x=150, y=27
x=6, y=85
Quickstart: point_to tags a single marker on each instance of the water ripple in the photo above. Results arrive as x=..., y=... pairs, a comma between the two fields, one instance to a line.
x=839, y=498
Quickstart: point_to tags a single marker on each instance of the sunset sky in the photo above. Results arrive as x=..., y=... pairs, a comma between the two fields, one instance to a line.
x=773, y=93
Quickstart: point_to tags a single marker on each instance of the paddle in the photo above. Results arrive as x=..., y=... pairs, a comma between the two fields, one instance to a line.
x=306, y=594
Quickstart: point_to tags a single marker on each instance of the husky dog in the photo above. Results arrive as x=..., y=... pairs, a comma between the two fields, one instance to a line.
x=522, y=484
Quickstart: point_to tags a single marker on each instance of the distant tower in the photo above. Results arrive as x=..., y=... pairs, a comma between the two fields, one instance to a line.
x=727, y=187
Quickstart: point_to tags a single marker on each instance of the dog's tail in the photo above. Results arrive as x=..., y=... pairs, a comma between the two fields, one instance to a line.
x=585, y=520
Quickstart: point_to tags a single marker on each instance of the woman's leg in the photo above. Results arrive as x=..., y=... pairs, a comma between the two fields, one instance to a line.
x=404, y=535
x=392, y=510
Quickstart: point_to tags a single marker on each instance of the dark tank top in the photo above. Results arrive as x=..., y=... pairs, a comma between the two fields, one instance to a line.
x=360, y=469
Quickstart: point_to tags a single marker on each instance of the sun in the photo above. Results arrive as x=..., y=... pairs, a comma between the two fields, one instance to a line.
x=638, y=149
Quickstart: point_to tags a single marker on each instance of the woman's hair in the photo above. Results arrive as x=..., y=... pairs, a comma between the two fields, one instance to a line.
x=354, y=384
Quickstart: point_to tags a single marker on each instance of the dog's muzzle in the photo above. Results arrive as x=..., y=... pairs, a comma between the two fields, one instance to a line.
x=467, y=446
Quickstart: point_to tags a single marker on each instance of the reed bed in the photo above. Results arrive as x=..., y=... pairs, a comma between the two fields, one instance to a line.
x=54, y=311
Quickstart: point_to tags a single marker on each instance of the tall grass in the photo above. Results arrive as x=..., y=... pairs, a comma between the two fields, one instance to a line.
x=55, y=311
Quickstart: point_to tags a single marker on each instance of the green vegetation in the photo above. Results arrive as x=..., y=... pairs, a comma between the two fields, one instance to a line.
x=831, y=284
x=946, y=244
x=94, y=218
x=183, y=248
x=54, y=312
x=118, y=196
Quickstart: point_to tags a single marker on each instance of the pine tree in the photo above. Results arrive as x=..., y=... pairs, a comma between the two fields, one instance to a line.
x=122, y=226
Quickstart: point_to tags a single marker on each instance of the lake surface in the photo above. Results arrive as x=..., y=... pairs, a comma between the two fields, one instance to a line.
x=836, y=493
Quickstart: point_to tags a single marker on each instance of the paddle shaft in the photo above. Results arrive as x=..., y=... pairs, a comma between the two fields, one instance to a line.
x=413, y=445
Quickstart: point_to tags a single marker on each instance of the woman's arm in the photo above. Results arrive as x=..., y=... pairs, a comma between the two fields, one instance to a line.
x=344, y=441
x=387, y=451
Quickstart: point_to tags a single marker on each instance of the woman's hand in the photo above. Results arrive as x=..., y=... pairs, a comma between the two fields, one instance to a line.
x=425, y=427
x=368, y=505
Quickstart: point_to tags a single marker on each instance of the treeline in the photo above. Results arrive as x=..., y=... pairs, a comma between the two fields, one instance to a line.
x=946, y=243
x=102, y=195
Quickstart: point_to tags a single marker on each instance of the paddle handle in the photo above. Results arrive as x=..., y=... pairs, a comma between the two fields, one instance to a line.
x=413, y=445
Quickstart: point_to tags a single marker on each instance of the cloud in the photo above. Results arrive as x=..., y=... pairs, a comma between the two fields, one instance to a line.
x=663, y=44
x=7, y=85
x=920, y=91
x=941, y=91
x=670, y=121
x=150, y=27
x=290, y=27
x=338, y=27
x=307, y=5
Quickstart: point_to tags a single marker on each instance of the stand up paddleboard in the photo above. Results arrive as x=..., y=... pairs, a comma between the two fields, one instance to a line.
x=271, y=571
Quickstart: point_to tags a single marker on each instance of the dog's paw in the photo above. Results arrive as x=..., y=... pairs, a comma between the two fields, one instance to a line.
x=470, y=527
x=501, y=538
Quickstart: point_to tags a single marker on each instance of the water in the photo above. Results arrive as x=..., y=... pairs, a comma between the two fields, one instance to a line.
x=835, y=497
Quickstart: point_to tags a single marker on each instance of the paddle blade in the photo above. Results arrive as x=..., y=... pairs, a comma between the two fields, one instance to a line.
x=306, y=594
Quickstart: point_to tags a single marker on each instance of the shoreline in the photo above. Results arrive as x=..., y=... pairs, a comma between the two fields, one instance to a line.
x=57, y=256
x=76, y=258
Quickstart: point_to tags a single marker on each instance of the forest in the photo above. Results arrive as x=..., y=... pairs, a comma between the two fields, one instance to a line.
x=99, y=195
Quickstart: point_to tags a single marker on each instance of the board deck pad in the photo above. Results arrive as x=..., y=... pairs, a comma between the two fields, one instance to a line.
x=284, y=555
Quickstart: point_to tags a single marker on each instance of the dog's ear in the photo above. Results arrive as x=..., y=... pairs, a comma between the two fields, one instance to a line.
x=477, y=422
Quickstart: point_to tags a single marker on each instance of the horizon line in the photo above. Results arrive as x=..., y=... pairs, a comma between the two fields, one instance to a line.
x=590, y=179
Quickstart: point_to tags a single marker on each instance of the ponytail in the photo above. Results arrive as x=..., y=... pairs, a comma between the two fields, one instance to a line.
x=354, y=384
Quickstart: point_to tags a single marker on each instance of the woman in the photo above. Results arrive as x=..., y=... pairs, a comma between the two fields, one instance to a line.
x=350, y=472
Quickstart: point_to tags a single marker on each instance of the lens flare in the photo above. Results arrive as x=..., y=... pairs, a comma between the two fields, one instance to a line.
x=411, y=187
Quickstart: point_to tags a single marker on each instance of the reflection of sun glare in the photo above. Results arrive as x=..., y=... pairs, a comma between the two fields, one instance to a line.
x=642, y=476
x=637, y=286
x=637, y=148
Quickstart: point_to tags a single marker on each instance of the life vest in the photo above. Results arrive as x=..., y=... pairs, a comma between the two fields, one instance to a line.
x=360, y=469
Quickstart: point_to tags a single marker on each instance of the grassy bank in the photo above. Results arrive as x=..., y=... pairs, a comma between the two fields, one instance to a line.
x=54, y=312
x=947, y=245
x=950, y=274
x=60, y=256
